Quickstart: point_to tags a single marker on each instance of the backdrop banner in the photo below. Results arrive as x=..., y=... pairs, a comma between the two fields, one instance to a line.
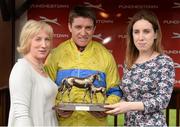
x=112, y=20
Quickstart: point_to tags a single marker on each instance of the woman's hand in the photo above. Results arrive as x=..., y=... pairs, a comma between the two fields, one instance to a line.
x=123, y=107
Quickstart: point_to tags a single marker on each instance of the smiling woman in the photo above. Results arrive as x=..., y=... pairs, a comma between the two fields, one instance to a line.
x=32, y=92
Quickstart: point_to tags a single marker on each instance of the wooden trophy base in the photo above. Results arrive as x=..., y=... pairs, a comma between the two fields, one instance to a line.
x=79, y=107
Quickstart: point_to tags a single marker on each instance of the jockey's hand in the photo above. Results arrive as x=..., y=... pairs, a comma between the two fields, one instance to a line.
x=63, y=113
x=98, y=113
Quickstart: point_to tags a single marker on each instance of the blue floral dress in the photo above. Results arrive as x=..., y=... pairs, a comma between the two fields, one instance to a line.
x=151, y=83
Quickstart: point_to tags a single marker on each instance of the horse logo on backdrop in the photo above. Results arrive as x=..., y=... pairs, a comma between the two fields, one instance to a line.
x=104, y=40
x=176, y=5
x=98, y=36
x=120, y=66
x=177, y=81
x=176, y=65
x=129, y=19
x=45, y=19
x=176, y=35
x=99, y=6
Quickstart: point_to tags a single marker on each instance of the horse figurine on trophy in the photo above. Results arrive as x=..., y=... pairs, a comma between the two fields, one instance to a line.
x=85, y=83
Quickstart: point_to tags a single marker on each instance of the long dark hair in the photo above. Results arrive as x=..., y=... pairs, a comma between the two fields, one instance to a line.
x=131, y=50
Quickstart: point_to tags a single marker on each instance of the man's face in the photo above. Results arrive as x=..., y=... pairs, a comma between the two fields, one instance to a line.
x=82, y=30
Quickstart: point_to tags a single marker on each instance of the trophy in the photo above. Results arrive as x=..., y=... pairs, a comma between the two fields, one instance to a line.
x=88, y=86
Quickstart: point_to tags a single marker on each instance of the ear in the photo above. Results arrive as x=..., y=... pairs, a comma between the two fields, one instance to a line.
x=70, y=27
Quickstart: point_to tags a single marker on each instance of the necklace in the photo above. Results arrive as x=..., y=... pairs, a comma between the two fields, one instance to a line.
x=36, y=66
x=40, y=68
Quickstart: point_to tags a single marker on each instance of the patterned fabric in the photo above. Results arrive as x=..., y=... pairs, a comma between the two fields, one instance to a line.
x=151, y=83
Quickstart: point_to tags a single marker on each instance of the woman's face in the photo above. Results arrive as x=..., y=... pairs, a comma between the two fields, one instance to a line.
x=40, y=45
x=143, y=35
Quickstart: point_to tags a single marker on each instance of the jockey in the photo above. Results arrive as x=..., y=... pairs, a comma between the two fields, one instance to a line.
x=80, y=56
x=66, y=61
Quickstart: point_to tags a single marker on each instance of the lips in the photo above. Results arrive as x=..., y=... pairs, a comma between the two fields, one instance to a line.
x=142, y=44
x=42, y=51
x=83, y=39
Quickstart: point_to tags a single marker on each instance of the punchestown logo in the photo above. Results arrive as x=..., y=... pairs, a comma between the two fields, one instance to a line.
x=129, y=19
x=98, y=36
x=105, y=21
x=132, y=6
x=176, y=65
x=177, y=81
x=175, y=35
x=54, y=21
x=50, y=6
x=173, y=22
x=99, y=6
x=61, y=35
x=174, y=52
x=120, y=66
x=123, y=36
x=176, y=5
x=104, y=40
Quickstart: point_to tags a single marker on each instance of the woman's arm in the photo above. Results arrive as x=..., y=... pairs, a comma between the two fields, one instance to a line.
x=165, y=84
x=20, y=85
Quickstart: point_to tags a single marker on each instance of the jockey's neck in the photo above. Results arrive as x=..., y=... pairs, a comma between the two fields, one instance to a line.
x=81, y=48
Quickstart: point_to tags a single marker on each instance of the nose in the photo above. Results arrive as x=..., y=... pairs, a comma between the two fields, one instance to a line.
x=83, y=31
x=44, y=43
x=141, y=36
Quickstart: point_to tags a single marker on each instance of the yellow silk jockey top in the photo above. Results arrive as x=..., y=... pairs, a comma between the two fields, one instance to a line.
x=66, y=61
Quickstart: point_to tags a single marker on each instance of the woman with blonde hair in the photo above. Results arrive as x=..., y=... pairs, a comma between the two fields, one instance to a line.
x=32, y=92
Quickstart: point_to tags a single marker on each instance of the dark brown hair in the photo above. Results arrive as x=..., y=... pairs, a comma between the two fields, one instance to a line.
x=131, y=50
x=82, y=11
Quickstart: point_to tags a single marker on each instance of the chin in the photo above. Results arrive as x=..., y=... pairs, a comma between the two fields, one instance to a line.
x=82, y=44
x=42, y=57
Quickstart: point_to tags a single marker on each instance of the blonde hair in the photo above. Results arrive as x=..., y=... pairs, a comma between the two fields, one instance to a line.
x=29, y=30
